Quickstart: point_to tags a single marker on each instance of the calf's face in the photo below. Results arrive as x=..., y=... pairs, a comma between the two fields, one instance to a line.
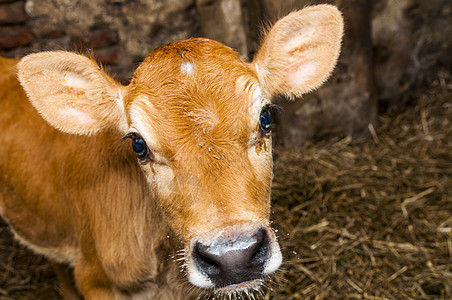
x=197, y=113
x=199, y=121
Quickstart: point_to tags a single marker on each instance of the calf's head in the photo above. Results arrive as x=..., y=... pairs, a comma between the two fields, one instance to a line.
x=199, y=120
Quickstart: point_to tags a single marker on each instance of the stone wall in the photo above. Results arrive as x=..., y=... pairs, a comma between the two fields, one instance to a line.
x=119, y=32
x=14, y=31
x=390, y=46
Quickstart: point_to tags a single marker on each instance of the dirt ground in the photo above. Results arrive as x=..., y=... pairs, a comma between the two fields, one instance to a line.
x=356, y=220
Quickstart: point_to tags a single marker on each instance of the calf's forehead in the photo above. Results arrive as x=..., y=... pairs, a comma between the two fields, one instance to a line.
x=193, y=67
x=193, y=93
x=209, y=54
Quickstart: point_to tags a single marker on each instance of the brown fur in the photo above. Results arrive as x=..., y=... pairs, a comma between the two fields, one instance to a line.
x=73, y=192
x=98, y=200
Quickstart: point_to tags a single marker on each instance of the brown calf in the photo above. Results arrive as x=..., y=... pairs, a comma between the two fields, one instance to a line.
x=197, y=168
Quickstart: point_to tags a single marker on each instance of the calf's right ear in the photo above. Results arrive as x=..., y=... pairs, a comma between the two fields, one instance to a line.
x=300, y=51
x=72, y=92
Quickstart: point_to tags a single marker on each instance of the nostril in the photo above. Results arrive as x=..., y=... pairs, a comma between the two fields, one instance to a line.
x=261, y=251
x=206, y=261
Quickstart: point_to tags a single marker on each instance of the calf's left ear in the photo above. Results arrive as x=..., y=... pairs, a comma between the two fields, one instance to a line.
x=72, y=92
x=300, y=51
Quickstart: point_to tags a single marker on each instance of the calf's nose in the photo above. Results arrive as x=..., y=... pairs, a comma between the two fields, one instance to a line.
x=228, y=262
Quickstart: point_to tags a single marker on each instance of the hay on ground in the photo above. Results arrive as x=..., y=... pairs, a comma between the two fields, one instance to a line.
x=373, y=219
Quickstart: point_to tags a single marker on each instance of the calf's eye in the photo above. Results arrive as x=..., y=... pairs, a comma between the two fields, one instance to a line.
x=139, y=147
x=265, y=120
